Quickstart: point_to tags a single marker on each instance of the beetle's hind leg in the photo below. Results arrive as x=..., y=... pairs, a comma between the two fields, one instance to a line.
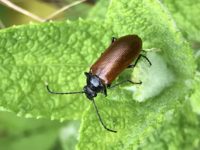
x=104, y=90
x=122, y=82
x=139, y=57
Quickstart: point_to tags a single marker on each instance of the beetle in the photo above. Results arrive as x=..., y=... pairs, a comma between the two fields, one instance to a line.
x=116, y=58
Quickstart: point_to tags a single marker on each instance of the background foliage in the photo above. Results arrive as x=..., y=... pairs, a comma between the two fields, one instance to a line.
x=163, y=113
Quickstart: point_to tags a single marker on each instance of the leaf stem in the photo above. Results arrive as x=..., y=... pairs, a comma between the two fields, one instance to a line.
x=21, y=10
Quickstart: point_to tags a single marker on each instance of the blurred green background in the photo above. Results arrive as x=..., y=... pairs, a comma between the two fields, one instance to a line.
x=18, y=133
x=42, y=8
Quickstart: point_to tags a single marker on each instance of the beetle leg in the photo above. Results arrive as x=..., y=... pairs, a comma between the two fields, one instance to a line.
x=133, y=65
x=113, y=39
x=125, y=81
x=105, y=91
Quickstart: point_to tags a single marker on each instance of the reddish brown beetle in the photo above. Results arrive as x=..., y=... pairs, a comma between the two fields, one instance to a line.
x=116, y=58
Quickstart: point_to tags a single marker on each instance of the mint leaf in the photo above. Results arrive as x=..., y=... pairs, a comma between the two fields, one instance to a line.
x=156, y=28
x=136, y=121
x=58, y=53
x=181, y=132
x=186, y=14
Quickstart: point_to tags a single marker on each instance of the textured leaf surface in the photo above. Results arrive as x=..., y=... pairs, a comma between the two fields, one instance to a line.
x=156, y=28
x=135, y=121
x=181, y=132
x=58, y=53
x=195, y=102
x=186, y=13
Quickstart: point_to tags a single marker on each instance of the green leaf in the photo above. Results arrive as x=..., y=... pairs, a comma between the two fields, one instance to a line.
x=20, y=133
x=155, y=26
x=198, y=59
x=99, y=11
x=186, y=13
x=196, y=95
x=69, y=134
x=136, y=121
x=181, y=132
x=58, y=53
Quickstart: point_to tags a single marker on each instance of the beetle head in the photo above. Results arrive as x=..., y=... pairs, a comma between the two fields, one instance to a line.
x=94, y=86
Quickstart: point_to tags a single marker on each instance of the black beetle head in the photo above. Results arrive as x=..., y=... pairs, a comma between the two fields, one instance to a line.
x=94, y=86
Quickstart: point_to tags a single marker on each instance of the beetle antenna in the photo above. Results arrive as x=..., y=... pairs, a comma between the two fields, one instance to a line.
x=100, y=119
x=52, y=92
